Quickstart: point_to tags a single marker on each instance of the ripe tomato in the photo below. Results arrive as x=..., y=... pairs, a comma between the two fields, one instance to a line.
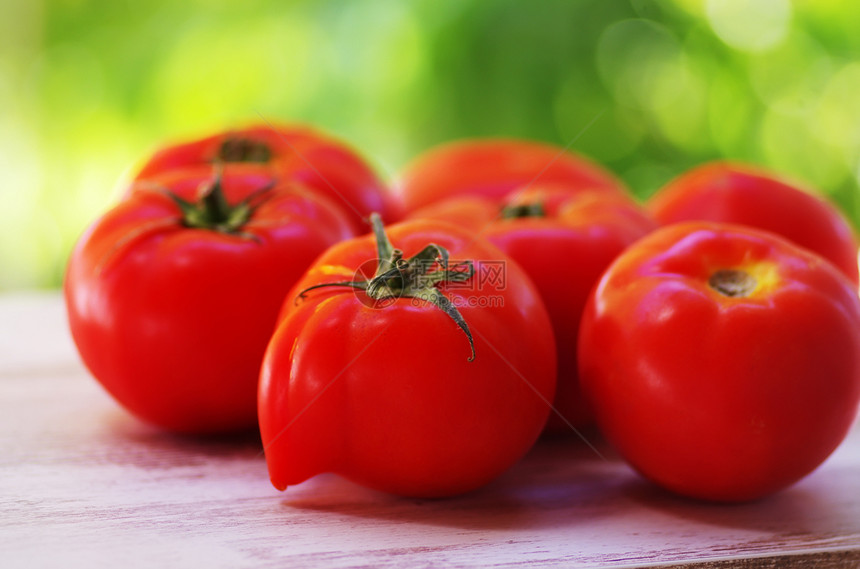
x=564, y=241
x=171, y=302
x=296, y=153
x=382, y=382
x=474, y=213
x=722, y=362
x=737, y=193
x=494, y=167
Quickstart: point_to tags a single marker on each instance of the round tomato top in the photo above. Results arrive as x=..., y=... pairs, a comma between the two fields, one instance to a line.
x=296, y=153
x=738, y=193
x=494, y=167
x=723, y=362
x=372, y=376
x=172, y=295
x=564, y=240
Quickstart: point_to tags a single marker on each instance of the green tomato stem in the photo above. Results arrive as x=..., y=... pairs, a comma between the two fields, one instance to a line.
x=212, y=211
x=415, y=277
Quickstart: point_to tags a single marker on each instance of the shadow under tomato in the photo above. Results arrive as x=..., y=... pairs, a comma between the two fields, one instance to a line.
x=125, y=441
x=559, y=483
x=814, y=509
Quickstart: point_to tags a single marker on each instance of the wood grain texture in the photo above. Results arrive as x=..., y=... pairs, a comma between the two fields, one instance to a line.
x=82, y=484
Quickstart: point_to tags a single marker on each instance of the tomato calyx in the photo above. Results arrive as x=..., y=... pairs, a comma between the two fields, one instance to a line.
x=733, y=283
x=212, y=211
x=517, y=211
x=415, y=277
x=242, y=149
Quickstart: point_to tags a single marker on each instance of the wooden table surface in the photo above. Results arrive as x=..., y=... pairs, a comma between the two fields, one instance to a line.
x=84, y=485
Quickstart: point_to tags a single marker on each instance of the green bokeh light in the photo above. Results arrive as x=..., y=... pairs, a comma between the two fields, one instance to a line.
x=647, y=87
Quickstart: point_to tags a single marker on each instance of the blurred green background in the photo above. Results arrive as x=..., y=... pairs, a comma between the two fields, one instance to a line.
x=647, y=87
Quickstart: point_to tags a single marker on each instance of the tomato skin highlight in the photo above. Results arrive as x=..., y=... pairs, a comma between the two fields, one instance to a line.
x=296, y=153
x=173, y=321
x=385, y=394
x=564, y=251
x=723, y=398
x=738, y=193
x=493, y=167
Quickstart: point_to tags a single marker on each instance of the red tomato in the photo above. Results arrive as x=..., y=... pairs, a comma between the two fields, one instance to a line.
x=737, y=193
x=171, y=303
x=564, y=241
x=296, y=153
x=494, y=167
x=381, y=383
x=722, y=362
x=474, y=213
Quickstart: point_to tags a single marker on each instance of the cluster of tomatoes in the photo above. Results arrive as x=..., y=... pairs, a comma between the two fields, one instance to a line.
x=419, y=341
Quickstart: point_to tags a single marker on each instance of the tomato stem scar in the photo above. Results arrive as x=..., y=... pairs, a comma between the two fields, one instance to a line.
x=523, y=210
x=241, y=149
x=733, y=282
